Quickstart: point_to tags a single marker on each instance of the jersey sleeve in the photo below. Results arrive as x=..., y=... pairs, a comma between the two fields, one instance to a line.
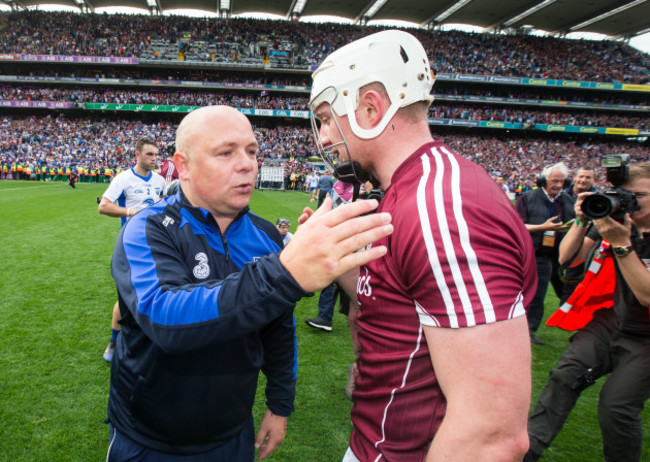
x=115, y=189
x=464, y=254
x=178, y=314
x=280, y=363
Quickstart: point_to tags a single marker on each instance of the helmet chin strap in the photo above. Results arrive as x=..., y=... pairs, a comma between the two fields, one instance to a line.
x=351, y=172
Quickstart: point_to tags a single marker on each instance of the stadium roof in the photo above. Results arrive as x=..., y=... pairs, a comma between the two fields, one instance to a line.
x=616, y=18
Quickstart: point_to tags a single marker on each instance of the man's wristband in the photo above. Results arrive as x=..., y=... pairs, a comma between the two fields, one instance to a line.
x=128, y=213
x=581, y=224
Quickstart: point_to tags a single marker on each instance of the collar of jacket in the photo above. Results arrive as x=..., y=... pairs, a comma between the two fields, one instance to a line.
x=203, y=215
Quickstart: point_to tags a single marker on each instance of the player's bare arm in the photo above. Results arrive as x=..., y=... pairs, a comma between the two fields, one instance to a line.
x=488, y=397
x=106, y=207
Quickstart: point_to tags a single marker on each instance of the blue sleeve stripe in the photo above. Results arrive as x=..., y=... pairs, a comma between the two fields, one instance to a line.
x=246, y=240
x=172, y=307
x=121, y=201
x=197, y=228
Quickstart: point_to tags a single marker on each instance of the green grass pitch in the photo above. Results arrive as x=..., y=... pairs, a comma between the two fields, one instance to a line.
x=56, y=298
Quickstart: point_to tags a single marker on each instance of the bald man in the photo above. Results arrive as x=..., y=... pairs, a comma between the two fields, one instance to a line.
x=207, y=294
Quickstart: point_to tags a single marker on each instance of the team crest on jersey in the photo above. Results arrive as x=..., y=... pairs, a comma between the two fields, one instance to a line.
x=202, y=270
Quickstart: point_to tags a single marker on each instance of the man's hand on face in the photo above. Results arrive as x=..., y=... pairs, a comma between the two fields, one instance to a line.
x=326, y=243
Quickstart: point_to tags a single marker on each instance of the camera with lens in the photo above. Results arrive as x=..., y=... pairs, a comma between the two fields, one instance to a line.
x=616, y=201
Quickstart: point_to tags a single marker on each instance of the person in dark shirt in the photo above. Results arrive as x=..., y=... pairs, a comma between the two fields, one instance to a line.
x=615, y=342
x=545, y=211
x=325, y=183
x=207, y=292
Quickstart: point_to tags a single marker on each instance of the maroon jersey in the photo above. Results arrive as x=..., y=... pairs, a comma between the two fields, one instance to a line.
x=459, y=256
x=168, y=171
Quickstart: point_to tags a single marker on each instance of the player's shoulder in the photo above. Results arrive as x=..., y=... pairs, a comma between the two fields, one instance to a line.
x=157, y=177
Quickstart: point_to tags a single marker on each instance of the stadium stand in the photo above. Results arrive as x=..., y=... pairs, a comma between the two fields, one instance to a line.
x=77, y=100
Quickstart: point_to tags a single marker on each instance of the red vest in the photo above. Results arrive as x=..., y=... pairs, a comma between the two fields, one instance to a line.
x=596, y=291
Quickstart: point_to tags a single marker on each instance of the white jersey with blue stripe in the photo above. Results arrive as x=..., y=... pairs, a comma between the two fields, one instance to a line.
x=133, y=191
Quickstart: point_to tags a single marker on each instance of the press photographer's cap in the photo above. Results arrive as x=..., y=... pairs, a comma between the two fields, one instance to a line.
x=283, y=222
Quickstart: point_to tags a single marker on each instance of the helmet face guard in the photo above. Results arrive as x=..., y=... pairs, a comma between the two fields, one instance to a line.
x=343, y=169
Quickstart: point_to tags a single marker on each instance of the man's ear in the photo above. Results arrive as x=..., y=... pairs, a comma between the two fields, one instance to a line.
x=372, y=108
x=181, y=160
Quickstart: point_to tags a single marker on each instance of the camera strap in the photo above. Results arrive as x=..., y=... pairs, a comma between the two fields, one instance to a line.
x=577, y=278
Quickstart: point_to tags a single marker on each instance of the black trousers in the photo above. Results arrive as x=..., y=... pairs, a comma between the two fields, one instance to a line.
x=596, y=350
x=239, y=448
x=321, y=197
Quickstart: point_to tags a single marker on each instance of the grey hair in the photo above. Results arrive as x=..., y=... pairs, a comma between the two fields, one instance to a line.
x=561, y=166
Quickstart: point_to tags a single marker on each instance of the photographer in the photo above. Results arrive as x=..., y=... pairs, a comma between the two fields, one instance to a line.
x=616, y=341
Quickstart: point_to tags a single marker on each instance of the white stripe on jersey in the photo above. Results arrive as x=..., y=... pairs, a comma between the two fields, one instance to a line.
x=425, y=318
x=517, y=309
x=450, y=253
x=443, y=226
x=170, y=172
x=392, y=393
x=427, y=235
x=463, y=231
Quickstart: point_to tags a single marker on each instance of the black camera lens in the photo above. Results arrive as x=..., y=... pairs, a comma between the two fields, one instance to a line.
x=599, y=206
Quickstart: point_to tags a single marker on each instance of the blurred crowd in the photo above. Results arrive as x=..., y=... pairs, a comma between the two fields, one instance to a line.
x=259, y=100
x=519, y=160
x=286, y=101
x=441, y=89
x=95, y=144
x=108, y=143
x=530, y=116
x=58, y=33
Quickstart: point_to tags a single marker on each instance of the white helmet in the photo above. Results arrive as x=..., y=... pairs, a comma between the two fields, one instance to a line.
x=393, y=58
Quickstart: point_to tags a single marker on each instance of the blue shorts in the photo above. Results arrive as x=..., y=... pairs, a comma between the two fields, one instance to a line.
x=240, y=448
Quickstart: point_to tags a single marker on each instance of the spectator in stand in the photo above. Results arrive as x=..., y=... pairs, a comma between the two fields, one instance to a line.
x=236, y=40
